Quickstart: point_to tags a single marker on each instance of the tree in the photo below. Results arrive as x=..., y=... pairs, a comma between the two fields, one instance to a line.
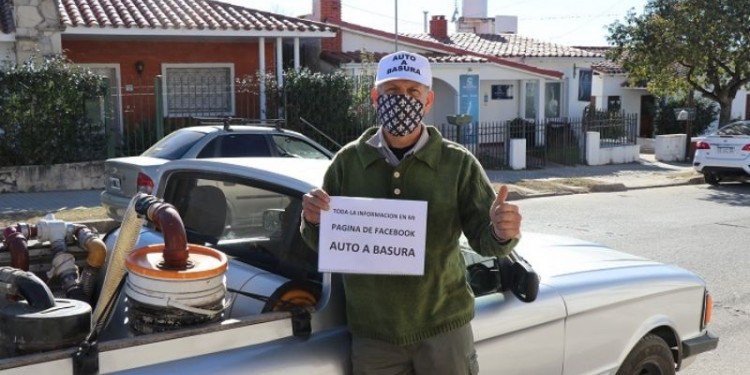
x=681, y=46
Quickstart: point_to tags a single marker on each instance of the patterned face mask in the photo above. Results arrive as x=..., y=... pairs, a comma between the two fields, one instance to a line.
x=399, y=114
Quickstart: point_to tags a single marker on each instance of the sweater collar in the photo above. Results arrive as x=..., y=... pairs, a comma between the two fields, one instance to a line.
x=429, y=153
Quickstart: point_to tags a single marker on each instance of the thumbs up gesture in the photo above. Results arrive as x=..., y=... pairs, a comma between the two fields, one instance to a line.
x=506, y=221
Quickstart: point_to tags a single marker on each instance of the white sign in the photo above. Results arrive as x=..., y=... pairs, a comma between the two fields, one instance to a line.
x=373, y=236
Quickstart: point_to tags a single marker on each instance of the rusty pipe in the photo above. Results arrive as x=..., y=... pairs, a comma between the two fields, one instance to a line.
x=16, y=241
x=97, y=254
x=168, y=220
x=94, y=246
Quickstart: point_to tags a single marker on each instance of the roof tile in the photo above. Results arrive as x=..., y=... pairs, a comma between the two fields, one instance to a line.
x=356, y=57
x=177, y=14
x=506, y=45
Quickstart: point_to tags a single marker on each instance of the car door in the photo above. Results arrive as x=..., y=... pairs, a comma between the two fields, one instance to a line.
x=514, y=337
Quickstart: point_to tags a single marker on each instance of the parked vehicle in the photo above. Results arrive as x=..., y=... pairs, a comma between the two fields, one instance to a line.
x=725, y=154
x=597, y=311
x=126, y=176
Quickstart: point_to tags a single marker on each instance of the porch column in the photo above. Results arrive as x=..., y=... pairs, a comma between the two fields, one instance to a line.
x=261, y=72
x=540, y=112
x=279, y=62
x=296, y=54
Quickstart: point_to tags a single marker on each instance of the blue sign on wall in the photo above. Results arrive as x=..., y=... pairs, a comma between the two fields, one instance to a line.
x=469, y=104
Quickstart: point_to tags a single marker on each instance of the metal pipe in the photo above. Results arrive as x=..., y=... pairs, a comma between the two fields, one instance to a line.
x=97, y=254
x=16, y=241
x=168, y=220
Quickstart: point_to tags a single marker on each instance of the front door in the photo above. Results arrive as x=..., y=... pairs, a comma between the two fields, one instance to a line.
x=648, y=110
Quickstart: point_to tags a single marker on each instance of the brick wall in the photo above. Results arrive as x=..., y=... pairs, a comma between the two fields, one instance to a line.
x=329, y=11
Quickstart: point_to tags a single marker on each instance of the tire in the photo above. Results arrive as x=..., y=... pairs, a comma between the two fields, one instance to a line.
x=711, y=178
x=650, y=356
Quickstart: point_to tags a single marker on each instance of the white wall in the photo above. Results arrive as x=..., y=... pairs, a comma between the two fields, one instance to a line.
x=355, y=42
x=445, y=103
x=498, y=109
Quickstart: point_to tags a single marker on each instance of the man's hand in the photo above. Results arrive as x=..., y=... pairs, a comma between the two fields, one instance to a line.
x=312, y=203
x=506, y=221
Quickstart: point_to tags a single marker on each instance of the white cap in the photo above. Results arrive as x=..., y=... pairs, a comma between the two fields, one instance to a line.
x=404, y=65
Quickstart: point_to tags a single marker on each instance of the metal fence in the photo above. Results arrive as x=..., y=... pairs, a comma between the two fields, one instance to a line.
x=152, y=111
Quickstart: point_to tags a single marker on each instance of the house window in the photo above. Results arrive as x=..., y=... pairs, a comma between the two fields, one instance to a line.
x=530, y=110
x=613, y=103
x=552, y=97
x=198, y=90
x=584, y=85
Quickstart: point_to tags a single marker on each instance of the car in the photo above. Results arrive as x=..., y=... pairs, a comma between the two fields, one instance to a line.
x=725, y=154
x=596, y=310
x=126, y=176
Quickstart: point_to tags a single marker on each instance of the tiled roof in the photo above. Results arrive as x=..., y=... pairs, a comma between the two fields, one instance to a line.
x=7, y=25
x=356, y=57
x=595, y=49
x=450, y=49
x=506, y=45
x=177, y=14
x=608, y=67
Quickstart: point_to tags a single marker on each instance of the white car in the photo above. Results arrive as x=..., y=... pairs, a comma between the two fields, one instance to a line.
x=127, y=176
x=725, y=154
x=597, y=310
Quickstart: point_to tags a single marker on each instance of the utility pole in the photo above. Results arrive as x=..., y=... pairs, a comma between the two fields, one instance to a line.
x=396, y=21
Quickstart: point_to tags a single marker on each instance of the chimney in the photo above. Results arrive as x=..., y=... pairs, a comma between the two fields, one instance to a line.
x=438, y=27
x=329, y=11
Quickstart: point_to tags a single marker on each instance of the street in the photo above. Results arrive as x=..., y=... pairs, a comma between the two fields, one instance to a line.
x=701, y=228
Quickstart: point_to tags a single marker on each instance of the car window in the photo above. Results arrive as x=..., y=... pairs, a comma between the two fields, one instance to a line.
x=255, y=224
x=739, y=128
x=174, y=145
x=295, y=147
x=236, y=145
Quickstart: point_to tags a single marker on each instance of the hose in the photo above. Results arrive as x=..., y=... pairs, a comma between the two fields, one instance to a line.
x=27, y=285
x=126, y=240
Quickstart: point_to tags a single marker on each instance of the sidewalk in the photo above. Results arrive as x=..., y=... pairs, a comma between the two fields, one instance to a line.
x=553, y=180
x=647, y=172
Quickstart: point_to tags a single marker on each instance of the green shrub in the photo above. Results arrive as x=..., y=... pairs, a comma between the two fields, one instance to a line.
x=706, y=112
x=45, y=107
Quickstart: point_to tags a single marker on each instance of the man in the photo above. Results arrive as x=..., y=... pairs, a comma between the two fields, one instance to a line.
x=415, y=324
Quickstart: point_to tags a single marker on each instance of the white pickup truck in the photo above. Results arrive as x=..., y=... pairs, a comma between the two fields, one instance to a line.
x=247, y=296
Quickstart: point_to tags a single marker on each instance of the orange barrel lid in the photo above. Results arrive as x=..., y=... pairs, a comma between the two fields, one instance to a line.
x=206, y=261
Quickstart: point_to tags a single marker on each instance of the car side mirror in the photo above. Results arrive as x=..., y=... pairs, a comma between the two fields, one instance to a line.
x=272, y=219
x=484, y=277
x=513, y=273
x=524, y=281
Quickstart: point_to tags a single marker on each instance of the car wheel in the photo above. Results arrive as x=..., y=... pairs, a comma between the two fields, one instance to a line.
x=651, y=356
x=711, y=178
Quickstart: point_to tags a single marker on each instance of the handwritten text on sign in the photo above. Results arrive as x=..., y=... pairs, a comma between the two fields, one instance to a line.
x=373, y=236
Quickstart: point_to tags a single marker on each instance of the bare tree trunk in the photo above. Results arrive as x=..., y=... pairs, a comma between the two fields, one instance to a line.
x=725, y=112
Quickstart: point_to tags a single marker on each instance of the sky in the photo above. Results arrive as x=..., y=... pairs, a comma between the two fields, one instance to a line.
x=568, y=22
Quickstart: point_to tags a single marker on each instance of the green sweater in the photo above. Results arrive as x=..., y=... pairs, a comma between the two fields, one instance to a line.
x=406, y=309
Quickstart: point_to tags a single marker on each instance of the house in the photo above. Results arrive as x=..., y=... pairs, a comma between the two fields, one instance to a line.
x=514, y=87
x=197, y=48
x=611, y=84
x=485, y=68
x=28, y=28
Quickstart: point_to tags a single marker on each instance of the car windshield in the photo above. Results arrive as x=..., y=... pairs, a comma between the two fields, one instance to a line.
x=737, y=128
x=174, y=146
